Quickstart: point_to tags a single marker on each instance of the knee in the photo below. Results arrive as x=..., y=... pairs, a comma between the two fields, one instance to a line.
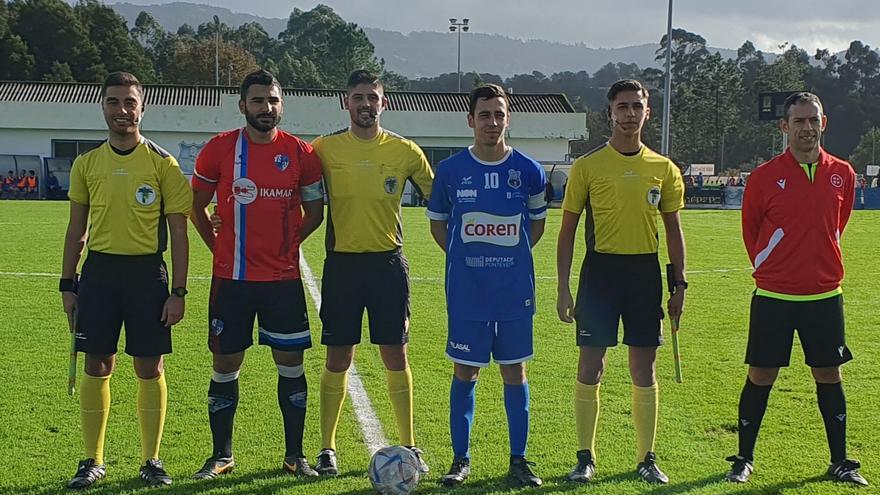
x=590, y=372
x=338, y=360
x=467, y=373
x=148, y=368
x=290, y=359
x=827, y=375
x=763, y=377
x=227, y=363
x=513, y=374
x=99, y=365
x=394, y=357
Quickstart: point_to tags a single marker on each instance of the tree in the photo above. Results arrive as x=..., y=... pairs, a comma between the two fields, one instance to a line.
x=867, y=152
x=118, y=49
x=53, y=33
x=192, y=62
x=335, y=47
x=17, y=63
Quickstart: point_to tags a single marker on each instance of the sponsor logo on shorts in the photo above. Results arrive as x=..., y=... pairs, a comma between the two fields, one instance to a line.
x=145, y=195
x=841, y=417
x=836, y=180
x=282, y=161
x=216, y=326
x=459, y=347
x=489, y=261
x=244, y=190
x=478, y=226
x=513, y=178
x=163, y=274
x=654, y=195
x=840, y=350
x=584, y=333
x=80, y=336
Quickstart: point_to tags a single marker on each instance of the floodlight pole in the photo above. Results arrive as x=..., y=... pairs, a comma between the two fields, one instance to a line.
x=667, y=104
x=217, y=51
x=455, y=25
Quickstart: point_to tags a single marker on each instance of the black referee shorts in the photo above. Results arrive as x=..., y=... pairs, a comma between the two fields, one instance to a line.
x=614, y=287
x=117, y=290
x=820, y=328
x=353, y=282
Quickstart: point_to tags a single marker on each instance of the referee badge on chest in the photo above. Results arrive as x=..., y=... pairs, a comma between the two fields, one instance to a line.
x=654, y=195
x=282, y=162
x=390, y=184
x=145, y=195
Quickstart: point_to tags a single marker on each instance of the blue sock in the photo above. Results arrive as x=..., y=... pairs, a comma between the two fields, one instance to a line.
x=461, y=416
x=516, y=403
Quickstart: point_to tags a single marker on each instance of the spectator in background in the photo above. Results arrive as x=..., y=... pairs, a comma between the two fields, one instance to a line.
x=739, y=181
x=700, y=181
x=874, y=182
x=8, y=184
x=31, y=184
x=690, y=181
x=731, y=181
x=52, y=186
x=20, y=184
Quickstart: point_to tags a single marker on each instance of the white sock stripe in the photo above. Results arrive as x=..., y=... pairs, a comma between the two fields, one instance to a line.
x=290, y=371
x=225, y=377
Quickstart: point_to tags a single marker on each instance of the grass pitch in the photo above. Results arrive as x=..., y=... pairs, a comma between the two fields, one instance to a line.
x=40, y=426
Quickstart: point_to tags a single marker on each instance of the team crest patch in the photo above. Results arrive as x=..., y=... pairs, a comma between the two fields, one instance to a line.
x=244, y=190
x=145, y=194
x=654, y=195
x=836, y=180
x=513, y=179
x=216, y=326
x=282, y=161
x=390, y=184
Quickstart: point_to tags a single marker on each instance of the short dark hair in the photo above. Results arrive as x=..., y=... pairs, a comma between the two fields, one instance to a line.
x=801, y=97
x=626, y=85
x=122, y=79
x=363, y=76
x=486, y=92
x=33, y=172
x=260, y=77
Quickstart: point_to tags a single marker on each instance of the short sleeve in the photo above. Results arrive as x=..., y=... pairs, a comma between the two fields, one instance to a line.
x=422, y=175
x=672, y=190
x=537, y=192
x=207, y=170
x=176, y=193
x=439, y=206
x=79, y=191
x=576, y=189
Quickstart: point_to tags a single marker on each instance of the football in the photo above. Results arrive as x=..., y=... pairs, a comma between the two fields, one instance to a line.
x=394, y=471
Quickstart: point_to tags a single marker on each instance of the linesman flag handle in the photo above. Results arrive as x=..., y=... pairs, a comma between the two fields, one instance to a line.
x=71, y=368
x=670, y=284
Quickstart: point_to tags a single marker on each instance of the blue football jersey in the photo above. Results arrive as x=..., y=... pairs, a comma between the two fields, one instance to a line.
x=488, y=208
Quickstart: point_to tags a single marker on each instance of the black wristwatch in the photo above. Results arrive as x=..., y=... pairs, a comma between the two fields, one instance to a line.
x=679, y=283
x=179, y=291
x=68, y=285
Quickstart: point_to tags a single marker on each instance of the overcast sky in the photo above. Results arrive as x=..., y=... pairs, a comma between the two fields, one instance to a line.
x=809, y=24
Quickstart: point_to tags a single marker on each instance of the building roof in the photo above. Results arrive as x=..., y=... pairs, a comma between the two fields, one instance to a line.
x=401, y=101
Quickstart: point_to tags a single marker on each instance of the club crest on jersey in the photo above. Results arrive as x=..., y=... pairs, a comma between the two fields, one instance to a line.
x=654, y=195
x=145, y=195
x=390, y=184
x=836, y=180
x=513, y=178
x=244, y=190
x=282, y=161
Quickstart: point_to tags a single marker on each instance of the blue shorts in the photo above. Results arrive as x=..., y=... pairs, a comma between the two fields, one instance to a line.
x=472, y=343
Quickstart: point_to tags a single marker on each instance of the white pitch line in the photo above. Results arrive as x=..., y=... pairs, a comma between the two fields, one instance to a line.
x=363, y=408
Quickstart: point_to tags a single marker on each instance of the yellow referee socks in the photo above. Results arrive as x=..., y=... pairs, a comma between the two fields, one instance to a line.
x=94, y=406
x=333, y=389
x=152, y=402
x=586, y=415
x=644, y=411
x=400, y=391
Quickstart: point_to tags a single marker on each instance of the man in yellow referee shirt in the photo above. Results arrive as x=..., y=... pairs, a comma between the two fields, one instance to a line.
x=624, y=187
x=365, y=168
x=128, y=193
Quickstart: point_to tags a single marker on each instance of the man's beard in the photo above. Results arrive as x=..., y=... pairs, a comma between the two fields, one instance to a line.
x=254, y=121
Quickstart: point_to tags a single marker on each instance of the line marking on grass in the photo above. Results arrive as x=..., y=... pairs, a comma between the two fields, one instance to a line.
x=363, y=407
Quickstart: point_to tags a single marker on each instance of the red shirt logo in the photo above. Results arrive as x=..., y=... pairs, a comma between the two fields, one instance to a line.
x=836, y=180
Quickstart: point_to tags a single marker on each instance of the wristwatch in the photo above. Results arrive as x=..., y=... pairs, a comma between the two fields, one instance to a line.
x=179, y=291
x=68, y=285
x=679, y=283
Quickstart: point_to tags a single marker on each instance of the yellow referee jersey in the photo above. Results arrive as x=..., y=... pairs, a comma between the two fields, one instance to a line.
x=129, y=196
x=365, y=181
x=623, y=196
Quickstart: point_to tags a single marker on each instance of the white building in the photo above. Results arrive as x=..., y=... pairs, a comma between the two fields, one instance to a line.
x=64, y=119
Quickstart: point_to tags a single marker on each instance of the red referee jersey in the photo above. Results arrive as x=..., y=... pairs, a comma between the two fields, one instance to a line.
x=259, y=193
x=792, y=227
